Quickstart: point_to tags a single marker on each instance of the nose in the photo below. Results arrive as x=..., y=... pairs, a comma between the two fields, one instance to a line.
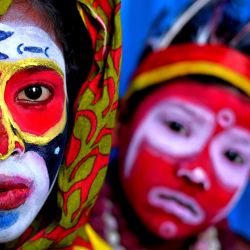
x=10, y=142
x=196, y=175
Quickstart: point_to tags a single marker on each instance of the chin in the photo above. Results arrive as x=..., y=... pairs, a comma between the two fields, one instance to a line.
x=30, y=166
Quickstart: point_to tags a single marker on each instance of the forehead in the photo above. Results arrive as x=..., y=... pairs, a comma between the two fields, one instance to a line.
x=215, y=97
x=23, y=13
x=26, y=32
x=212, y=95
x=19, y=43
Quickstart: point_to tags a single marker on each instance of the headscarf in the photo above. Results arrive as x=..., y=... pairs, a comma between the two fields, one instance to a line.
x=83, y=170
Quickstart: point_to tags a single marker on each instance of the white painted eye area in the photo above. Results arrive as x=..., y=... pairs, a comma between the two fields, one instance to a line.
x=173, y=127
x=178, y=128
x=230, y=154
x=34, y=93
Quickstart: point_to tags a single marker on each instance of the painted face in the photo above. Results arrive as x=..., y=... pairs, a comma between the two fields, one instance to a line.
x=186, y=156
x=32, y=124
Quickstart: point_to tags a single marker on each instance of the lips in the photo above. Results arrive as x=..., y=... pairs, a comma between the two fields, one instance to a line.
x=14, y=191
x=178, y=204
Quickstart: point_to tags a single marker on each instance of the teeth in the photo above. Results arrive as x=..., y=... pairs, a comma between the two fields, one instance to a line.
x=178, y=204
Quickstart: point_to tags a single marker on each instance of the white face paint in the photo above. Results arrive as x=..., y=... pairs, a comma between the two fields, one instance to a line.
x=232, y=173
x=17, y=43
x=197, y=126
x=186, y=149
x=27, y=178
x=27, y=188
x=193, y=216
x=226, y=170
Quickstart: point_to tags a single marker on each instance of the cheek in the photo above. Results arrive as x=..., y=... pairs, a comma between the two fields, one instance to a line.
x=148, y=169
x=52, y=153
x=152, y=169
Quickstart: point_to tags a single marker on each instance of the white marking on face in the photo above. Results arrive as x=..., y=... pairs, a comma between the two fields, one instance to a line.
x=226, y=118
x=28, y=166
x=30, y=42
x=173, y=127
x=57, y=150
x=178, y=204
x=230, y=154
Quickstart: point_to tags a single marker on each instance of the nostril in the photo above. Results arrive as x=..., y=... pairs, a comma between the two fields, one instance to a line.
x=192, y=183
x=195, y=176
x=17, y=151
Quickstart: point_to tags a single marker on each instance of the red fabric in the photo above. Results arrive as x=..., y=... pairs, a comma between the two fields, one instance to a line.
x=219, y=54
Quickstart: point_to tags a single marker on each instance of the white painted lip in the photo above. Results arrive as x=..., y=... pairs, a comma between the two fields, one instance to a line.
x=178, y=204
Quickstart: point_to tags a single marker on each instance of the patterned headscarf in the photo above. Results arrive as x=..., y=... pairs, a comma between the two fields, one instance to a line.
x=82, y=173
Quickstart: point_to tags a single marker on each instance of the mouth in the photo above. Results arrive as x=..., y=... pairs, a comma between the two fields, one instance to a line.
x=178, y=204
x=14, y=191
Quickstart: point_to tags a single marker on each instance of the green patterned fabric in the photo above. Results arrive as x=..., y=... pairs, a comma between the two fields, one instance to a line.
x=83, y=171
x=4, y=5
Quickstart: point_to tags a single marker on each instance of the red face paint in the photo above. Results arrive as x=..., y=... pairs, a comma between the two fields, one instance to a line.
x=32, y=116
x=180, y=150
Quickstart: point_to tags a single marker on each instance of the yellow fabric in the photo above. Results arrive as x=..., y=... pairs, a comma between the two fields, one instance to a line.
x=4, y=5
x=97, y=242
x=168, y=72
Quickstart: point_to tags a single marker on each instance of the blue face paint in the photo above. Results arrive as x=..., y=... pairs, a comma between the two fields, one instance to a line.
x=7, y=219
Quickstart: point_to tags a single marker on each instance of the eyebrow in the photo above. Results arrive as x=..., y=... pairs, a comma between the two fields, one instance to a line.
x=188, y=110
x=33, y=69
x=241, y=140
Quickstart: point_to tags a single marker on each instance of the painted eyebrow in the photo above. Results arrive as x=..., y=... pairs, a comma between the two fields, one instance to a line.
x=241, y=140
x=35, y=69
x=189, y=111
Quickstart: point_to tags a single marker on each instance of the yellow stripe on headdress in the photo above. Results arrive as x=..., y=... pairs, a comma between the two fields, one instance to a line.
x=165, y=73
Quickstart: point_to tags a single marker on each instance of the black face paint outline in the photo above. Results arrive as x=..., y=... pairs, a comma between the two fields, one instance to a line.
x=47, y=152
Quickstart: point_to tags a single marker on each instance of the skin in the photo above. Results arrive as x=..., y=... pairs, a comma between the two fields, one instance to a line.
x=28, y=169
x=185, y=143
x=22, y=13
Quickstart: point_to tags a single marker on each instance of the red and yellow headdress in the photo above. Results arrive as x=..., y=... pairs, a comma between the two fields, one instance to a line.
x=201, y=42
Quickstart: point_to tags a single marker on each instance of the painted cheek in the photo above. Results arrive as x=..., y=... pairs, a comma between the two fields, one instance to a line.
x=152, y=169
x=38, y=118
x=148, y=170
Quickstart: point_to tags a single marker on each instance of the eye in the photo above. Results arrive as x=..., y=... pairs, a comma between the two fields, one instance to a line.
x=34, y=93
x=177, y=128
x=233, y=156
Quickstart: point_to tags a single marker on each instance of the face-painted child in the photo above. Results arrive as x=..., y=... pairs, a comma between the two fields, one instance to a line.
x=184, y=152
x=33, y=115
